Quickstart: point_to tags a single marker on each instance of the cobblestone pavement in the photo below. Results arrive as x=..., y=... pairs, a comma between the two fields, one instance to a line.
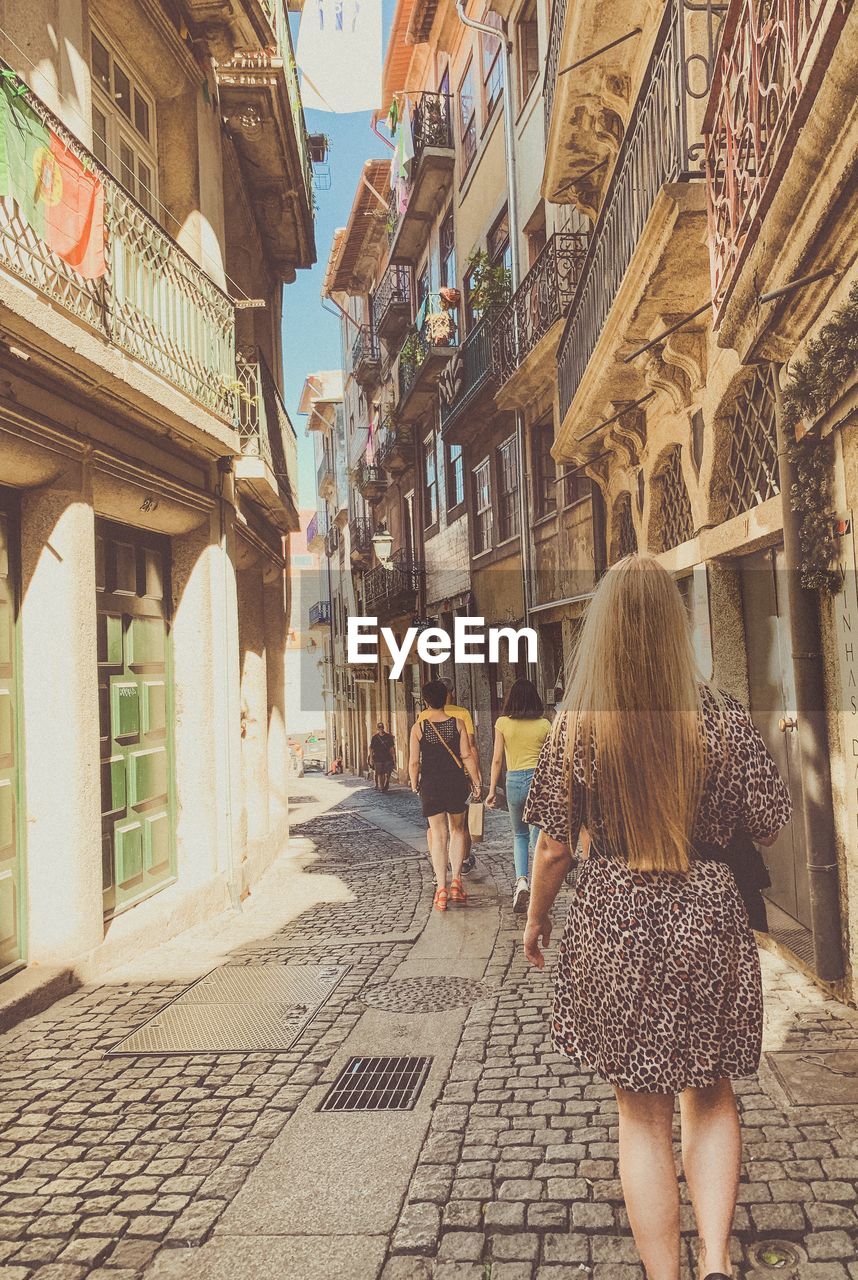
x=109, y=1166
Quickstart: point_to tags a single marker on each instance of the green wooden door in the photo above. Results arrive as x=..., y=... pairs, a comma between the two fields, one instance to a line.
x=12, y=923
x=136, y=714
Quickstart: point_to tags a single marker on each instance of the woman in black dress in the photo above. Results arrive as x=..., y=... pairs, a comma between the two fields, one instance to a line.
x=444, y=772
x=658, y=979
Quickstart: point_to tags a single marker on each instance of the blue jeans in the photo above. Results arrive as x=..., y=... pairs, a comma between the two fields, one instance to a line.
x=523, y=835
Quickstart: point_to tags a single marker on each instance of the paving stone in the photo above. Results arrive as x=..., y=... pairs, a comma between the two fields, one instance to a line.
x=407, y=1268
x=463, y=1213
x=824, y=1245
x=545, y=1215
x=559, y=1247
x=461, y=1246
x=515, y=1247
x=418, y=1229
x=614, y=1249
x=504, y=1216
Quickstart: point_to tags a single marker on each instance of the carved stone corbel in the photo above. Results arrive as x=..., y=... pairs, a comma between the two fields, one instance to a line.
x=599, y=470
x=629, y=431
x=686, y=350
x=666, y=378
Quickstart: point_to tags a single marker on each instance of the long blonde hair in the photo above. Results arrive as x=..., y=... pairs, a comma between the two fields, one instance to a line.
x=633, y=707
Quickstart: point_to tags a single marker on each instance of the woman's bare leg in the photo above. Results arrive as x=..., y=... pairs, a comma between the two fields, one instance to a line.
x=712, y=1159
x=457, y=843
x=438, y=848
x=648, y=1175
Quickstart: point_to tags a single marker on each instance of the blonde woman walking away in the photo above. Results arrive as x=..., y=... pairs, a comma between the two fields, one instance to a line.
x=658, y=979
x=444, y=772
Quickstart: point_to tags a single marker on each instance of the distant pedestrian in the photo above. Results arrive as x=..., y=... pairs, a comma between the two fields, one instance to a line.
x=658, y=979
x=381, y=756
x=519, y=734
x=461, y=713
x=443, y=771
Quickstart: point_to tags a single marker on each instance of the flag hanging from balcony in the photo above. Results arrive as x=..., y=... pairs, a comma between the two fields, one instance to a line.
x=60, y=199
x=339, y=55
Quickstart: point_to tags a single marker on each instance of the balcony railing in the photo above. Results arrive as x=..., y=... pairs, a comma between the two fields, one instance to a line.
x=360, y=537
x=769, y=64
x=539, y=302
x=431, y=123
x=320, y=614
x=395, y=449
x=365, y=352
x=656, y=149
x=332, y=540
x=264, y=425
x=313, y=531
x=391, y=303
x=431, y=132
x=552, y=61
x=369, y=479
x=393, y=590
x=412, y=355
x=325, y=479
x=153, y=301
x=470, y=369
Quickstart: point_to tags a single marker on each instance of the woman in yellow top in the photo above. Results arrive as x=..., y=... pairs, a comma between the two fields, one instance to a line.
x=519, y=735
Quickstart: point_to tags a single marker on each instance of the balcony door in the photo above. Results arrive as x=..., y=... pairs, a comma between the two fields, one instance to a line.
x=773, y=710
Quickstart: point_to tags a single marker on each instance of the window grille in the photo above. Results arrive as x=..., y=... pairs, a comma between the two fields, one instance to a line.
x=752, y=464
x=672, y=508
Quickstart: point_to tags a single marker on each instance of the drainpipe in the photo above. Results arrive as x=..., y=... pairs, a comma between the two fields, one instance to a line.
x=515, y=278
x=812, y=732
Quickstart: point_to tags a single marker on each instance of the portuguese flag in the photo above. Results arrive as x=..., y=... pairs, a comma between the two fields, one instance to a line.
x=60, y=199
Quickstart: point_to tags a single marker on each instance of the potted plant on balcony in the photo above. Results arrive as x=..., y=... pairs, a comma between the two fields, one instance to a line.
x=411, y=351
x=490, y=283
x=439, y=328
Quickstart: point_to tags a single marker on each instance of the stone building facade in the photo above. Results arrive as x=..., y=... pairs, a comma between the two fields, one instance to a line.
x=147, y=475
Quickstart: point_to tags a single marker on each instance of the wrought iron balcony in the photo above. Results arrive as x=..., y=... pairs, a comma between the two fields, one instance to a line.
x=264, y=426
x=768, y=69
x=391, y=304
x=325, y=478
x=332, y=540
x=388, y=592
x=419, y=366
x=320, y=614
x=370, y=480
x=658, y=148
x=431, y=175
x=366, y=357
x=153, y=302
x=469, y=372
x=313, y=532
x=360, y=539
x=540, y=301
x=395, y=449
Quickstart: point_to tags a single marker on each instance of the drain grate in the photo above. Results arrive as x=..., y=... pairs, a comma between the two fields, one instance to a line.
x=817, y=1076
x=237, y=1009
x=377, y=1084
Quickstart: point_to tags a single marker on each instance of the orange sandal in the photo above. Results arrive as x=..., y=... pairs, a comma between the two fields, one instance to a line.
x=457, y=893
x=440, y=903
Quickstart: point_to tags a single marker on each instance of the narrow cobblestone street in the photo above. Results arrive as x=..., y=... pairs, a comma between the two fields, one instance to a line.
x=220, y=1165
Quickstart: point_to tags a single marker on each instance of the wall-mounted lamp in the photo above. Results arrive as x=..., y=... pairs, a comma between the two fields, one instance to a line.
x=382, y=542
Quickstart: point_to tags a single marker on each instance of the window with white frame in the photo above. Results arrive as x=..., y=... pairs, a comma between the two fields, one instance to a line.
x=492, y=65
x=507, y=489
x=527, y=50
x=467, y=118
x=430, y=482
x=455, y=476
x=482, y=482
x=123, y=123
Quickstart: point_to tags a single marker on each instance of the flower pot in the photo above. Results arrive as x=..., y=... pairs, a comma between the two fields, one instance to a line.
x=450, y=297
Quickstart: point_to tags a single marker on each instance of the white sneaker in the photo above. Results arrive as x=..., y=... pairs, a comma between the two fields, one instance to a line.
x=521, y=895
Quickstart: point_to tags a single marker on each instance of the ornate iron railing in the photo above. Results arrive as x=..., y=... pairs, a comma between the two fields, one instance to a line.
x=368, y=476
x=320, y=614
x=552, y=60
x=394, y=589
x=657, y=148
x=312, y=530
x=539, y=302
x=766, y=75
x=394, y=290
x=154, y=301
x=360, y=535
x=365, y=348
x=469, y=370
x=431, y=123
x=412, y=354
x=332, y=540
x=396, y=443
x=324, y=474
x=264, y=425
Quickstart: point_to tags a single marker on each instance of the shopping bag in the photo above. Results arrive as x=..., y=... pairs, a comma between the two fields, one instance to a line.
x=476, y=820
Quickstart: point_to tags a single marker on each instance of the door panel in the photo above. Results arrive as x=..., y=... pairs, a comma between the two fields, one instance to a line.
x=135, y=698
x=12, y=925
x=773, y=701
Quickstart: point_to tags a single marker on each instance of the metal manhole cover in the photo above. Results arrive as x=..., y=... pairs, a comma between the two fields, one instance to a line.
x=377, y=1084
x=824, y=1076
x=426, y=995
x=774, y=1255
x=237, y=1009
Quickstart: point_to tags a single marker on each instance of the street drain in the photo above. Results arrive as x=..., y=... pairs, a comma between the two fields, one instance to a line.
x=426, y=995
x=377, y=1084
x=237, y=1009
x=774, y=1255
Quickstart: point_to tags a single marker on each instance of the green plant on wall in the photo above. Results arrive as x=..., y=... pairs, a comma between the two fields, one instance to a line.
x=412, y=350
x=814, y=384
x=490, y=283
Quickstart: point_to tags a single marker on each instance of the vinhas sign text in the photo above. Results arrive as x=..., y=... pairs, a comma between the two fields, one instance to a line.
x=471, y=642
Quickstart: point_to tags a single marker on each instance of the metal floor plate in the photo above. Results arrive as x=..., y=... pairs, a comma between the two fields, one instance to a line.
x=237, y=1009
x=817, y=1076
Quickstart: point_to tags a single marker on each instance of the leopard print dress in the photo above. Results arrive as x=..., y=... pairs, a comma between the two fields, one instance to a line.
x=658, y=977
